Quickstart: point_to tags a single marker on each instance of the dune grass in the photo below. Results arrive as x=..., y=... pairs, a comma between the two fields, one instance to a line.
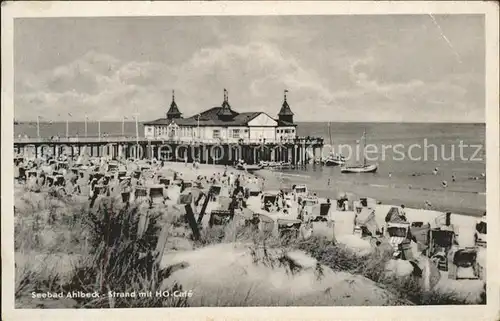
x=340, y=258
x=118, y=249
x=116, y=257
x=372, y=266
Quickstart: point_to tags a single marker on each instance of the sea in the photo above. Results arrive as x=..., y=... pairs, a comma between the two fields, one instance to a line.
x=432, y=160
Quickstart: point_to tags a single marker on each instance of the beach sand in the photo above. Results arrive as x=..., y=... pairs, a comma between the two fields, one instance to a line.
x=473, y=204
x=463, y=223
x=460, y=203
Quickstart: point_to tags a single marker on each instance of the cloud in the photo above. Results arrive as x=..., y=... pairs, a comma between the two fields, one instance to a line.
x=352, y=87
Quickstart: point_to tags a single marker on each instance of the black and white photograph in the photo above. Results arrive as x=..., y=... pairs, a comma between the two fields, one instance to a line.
x=171, y=160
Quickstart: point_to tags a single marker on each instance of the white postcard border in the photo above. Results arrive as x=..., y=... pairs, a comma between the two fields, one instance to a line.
x=87, y=9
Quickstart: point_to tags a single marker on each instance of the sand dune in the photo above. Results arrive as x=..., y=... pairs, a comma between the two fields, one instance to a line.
x=234, y=278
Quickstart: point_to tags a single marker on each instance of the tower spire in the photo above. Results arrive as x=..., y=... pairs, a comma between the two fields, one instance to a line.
x=173, y=112
x=285, y=114
x=225, y=112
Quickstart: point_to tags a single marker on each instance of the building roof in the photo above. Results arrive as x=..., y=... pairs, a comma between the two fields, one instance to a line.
x=211, y=117
x=285, y=123
x=219, y=116
x=173, y=112
x=225, y=110
x=285, y=109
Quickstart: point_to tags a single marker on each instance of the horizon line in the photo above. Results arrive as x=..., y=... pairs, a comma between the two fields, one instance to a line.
x=297, y=122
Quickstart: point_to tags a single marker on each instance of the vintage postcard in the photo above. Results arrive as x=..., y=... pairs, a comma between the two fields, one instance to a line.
x=250, y=160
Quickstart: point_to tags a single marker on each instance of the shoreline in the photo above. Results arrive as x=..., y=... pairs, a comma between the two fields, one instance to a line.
x=441, y=201
x=471, y=204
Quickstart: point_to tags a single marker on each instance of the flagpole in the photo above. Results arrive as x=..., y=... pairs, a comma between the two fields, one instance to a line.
x=198, y=129
x=136, y=114
x=86, y=117
x=330, y=132
x=136, y=128
x=364, y=144
x=38, y=126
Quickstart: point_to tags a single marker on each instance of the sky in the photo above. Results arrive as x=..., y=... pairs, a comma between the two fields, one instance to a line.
x=380, y=68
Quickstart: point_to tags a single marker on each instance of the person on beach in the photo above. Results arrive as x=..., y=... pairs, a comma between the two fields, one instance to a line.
x=76, y=187
x=41, y=179
x=402, y=212
x=444, y=184
x=16, y=171
x=93, y=193
x=302, y=212
x=240, y=197
x=435, y=171
x=453, y=178
x=345, y=204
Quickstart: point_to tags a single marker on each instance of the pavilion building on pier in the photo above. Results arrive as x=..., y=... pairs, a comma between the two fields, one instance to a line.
x=224, y=125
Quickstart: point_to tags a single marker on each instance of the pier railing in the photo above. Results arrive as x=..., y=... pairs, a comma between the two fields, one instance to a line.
x=110, y=139
x=129, y=139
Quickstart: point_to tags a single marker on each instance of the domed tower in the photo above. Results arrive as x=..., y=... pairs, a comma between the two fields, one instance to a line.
x=173, y=112
x=225, y=113
x=285, y=113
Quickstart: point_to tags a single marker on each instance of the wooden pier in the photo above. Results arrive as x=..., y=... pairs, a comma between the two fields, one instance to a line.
x=299, y=151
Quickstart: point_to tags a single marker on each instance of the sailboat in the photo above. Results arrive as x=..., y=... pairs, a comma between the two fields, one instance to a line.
x=333, y=159
x=362, y=168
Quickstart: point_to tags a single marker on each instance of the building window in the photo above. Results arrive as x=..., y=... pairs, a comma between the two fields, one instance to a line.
x=292, y=131
x=216, y=133
x=236, y=133
x=287, y=131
